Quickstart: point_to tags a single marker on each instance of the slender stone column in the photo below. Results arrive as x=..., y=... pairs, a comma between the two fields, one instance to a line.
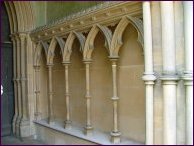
x=148, y=75
x=169, y=77
x=23, y=76
x=19, y=105
x=188, y=73
x=88, y=128
x=50, y=104
x=67, y=95
x=115, y=134
x=15, y=83
x=37, y=92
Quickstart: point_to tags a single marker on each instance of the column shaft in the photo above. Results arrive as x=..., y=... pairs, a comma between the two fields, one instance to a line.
x=148, y=75
x=168, y=40
x=115, y=134
x=169, y=93
x=15, y=83
x=23, y=76
x=169, y=76
x=19, y=87
x=37, y=92
x=149, y=113
x=50, y=105
x=68, y=121
x=188, y=73
x=188, y=30
x=25, y=122
x=88, y=128
x=189, y=112
x=147, y=38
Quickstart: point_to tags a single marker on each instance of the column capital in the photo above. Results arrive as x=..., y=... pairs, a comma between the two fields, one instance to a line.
x=36, y=67
x=50, y=65
x=113, y=58
x=22, y=34
x=66, y=63
x=13, y=36
x=87, y=61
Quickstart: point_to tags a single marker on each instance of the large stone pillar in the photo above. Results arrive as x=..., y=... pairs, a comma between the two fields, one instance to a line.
x=188, y=73
x=37, y=92
x=148, y=75
x=50, y=93
x=88, y=128
x=169, y=77
x=19, y=100
x=15, y=82
x=24, y=123
x=67, y=95
x=115, y=134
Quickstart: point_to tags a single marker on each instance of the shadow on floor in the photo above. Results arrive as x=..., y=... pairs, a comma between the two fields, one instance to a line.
x=11, y=140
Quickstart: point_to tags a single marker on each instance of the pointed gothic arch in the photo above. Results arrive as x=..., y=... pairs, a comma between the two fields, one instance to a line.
x=89, y=45
x=20, y=15
x=117, y=42
x=68, y=45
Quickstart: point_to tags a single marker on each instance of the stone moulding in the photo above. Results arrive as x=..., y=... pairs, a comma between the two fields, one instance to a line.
x=107, y=13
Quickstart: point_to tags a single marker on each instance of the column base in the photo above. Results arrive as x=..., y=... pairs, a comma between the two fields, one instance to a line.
x=14, y=125
x=88, y=130
x=17, y=126
x=115, y=137
x=17, y=129
x=51, y=121
x=67, y=124
x=25, y=128
x=37, y=116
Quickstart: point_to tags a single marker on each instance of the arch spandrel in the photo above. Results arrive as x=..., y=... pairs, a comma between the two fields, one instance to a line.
x=117, y=41
x=89, y=45
x=69, y=43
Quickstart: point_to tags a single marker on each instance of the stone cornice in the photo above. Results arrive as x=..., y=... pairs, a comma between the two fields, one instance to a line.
x=107, y=13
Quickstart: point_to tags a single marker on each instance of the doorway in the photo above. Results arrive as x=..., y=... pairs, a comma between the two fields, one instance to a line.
x=7, y=98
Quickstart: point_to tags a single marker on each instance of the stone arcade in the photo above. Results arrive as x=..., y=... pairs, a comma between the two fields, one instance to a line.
x=114, y=73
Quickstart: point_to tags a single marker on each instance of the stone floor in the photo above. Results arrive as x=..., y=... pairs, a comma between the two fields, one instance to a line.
x=11, y=140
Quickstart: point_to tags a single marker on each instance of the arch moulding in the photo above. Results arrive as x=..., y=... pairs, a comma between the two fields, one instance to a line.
x=21, y=20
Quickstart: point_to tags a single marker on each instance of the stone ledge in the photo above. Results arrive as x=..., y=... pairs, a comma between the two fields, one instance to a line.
x=97, y=137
